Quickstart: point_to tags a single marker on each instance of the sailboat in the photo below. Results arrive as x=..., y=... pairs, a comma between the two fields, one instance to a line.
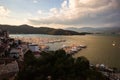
x=113, y=43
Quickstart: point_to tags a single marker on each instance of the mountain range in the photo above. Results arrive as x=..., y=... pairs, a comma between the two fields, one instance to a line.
x=96, y=30
x=27, y=29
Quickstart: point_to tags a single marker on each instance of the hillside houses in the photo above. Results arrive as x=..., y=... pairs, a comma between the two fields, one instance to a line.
x=11, y=53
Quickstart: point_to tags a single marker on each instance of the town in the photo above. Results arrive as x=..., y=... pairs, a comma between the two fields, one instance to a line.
x=12, y=56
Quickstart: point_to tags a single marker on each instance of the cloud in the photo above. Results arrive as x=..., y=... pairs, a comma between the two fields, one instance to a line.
x=64, y=4
x=4, y=12
x=35, y=1
x=39, y=11
x=91, y=13
x=8, y=16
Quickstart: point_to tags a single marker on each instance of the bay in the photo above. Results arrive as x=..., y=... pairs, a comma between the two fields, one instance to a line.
x=100, y=48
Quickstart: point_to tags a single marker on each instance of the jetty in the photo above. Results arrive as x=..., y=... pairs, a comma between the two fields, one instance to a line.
x=72, y=49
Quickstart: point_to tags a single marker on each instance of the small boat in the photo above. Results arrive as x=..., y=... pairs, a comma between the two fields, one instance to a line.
x=44, y=48
x=83, y=46
x=74, y=49
x=65, y=46
x=113, y=44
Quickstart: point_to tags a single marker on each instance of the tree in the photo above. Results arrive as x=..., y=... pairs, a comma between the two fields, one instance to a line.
x=57, y=66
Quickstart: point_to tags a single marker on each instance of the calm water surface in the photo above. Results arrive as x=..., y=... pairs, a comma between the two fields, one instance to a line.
x=99, y=48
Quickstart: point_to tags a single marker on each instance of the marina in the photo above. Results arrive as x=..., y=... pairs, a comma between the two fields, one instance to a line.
x=44, y=44
x=39, y=40
x=73, y=48
x=99, y=47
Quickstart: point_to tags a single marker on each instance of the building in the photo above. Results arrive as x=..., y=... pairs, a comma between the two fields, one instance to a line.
x=4, y=33
x=34, y=47
x=9, y=68
x=16, y=53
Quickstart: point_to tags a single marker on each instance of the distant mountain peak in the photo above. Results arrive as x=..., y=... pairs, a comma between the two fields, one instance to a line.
x=96, y=30
x=26, y=25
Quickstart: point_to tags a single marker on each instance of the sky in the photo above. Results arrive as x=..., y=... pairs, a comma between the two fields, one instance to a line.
x=61, y=13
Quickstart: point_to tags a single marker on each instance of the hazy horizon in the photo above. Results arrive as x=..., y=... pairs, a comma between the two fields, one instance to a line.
x=61, y=13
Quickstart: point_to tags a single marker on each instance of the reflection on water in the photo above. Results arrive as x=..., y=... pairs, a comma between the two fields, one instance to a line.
x=100, y=49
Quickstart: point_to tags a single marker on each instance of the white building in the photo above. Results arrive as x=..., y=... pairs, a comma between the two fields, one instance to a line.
x=34, y=47
x=16, y=53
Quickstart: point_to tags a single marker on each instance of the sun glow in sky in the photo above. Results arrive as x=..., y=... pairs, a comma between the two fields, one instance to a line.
x=84, y=1
x=61, y=13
